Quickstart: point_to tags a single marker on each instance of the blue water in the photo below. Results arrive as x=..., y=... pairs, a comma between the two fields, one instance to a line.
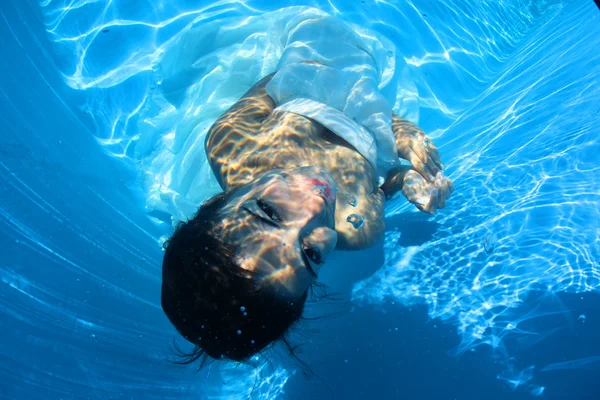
x=494, y=297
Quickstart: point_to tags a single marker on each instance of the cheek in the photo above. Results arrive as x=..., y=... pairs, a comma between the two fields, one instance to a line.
x=278, y=249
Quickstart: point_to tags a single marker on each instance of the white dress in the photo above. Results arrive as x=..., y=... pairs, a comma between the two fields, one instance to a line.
x=207, y=67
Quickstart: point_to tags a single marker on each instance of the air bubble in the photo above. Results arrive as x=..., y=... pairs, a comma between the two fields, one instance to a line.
x=489, y=244
x=351, y=200
x=390, y=53
x=319, y=189
x=356, y=220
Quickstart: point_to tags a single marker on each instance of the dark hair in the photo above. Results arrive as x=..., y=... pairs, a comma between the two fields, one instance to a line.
x=221, y=308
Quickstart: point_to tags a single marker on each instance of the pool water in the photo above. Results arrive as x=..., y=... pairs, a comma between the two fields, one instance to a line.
x=496, y=296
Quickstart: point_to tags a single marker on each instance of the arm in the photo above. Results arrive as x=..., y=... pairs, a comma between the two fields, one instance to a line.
x=395, y=181
x=414, y=145
x=254, y=105
x=225, y=138
x=423, y=183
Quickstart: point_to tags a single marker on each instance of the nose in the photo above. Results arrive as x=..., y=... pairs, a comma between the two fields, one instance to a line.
x=321, y=239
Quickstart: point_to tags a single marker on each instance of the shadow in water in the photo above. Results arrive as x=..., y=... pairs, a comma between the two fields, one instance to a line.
x=415, y=228
x=345, y=268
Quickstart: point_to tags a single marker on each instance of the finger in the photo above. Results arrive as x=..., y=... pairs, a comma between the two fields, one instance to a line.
x=439, y=183
x=430, y=149
x=429, y=146
x=419, y=202
x=450, y=185
x=446, y=187
x=439, y=180
x=423, y=154
x=435, y=155
x=433, y=201
x=441, y=199
x=420, y=166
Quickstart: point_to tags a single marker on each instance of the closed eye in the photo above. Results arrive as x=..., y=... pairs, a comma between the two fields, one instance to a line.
x=313, y=255
x=266, y=213
x=269, y=210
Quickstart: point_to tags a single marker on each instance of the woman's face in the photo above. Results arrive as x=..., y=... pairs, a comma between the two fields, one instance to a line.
x=283, y=227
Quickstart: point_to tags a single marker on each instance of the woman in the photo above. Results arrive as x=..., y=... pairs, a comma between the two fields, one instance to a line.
x=236, y=276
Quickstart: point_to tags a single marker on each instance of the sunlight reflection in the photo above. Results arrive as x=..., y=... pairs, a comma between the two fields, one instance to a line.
x=526, y=180
x=260, y=381
x=515, y=128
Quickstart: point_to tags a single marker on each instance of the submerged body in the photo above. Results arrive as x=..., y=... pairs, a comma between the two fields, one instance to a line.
x=254, y=145
x=236, y=275
x=250, y=140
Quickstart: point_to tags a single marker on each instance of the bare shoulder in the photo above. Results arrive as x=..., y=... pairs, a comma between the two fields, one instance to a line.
x=228, y=137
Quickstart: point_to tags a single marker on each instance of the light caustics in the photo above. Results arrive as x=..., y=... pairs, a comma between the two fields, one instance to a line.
x=104, y=45
x=509, y=97
x=259, y=380
x=523, y=223
x=154, y=112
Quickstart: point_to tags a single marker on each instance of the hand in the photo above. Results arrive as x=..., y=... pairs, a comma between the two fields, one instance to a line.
x=427, y=196
x=414, y=145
